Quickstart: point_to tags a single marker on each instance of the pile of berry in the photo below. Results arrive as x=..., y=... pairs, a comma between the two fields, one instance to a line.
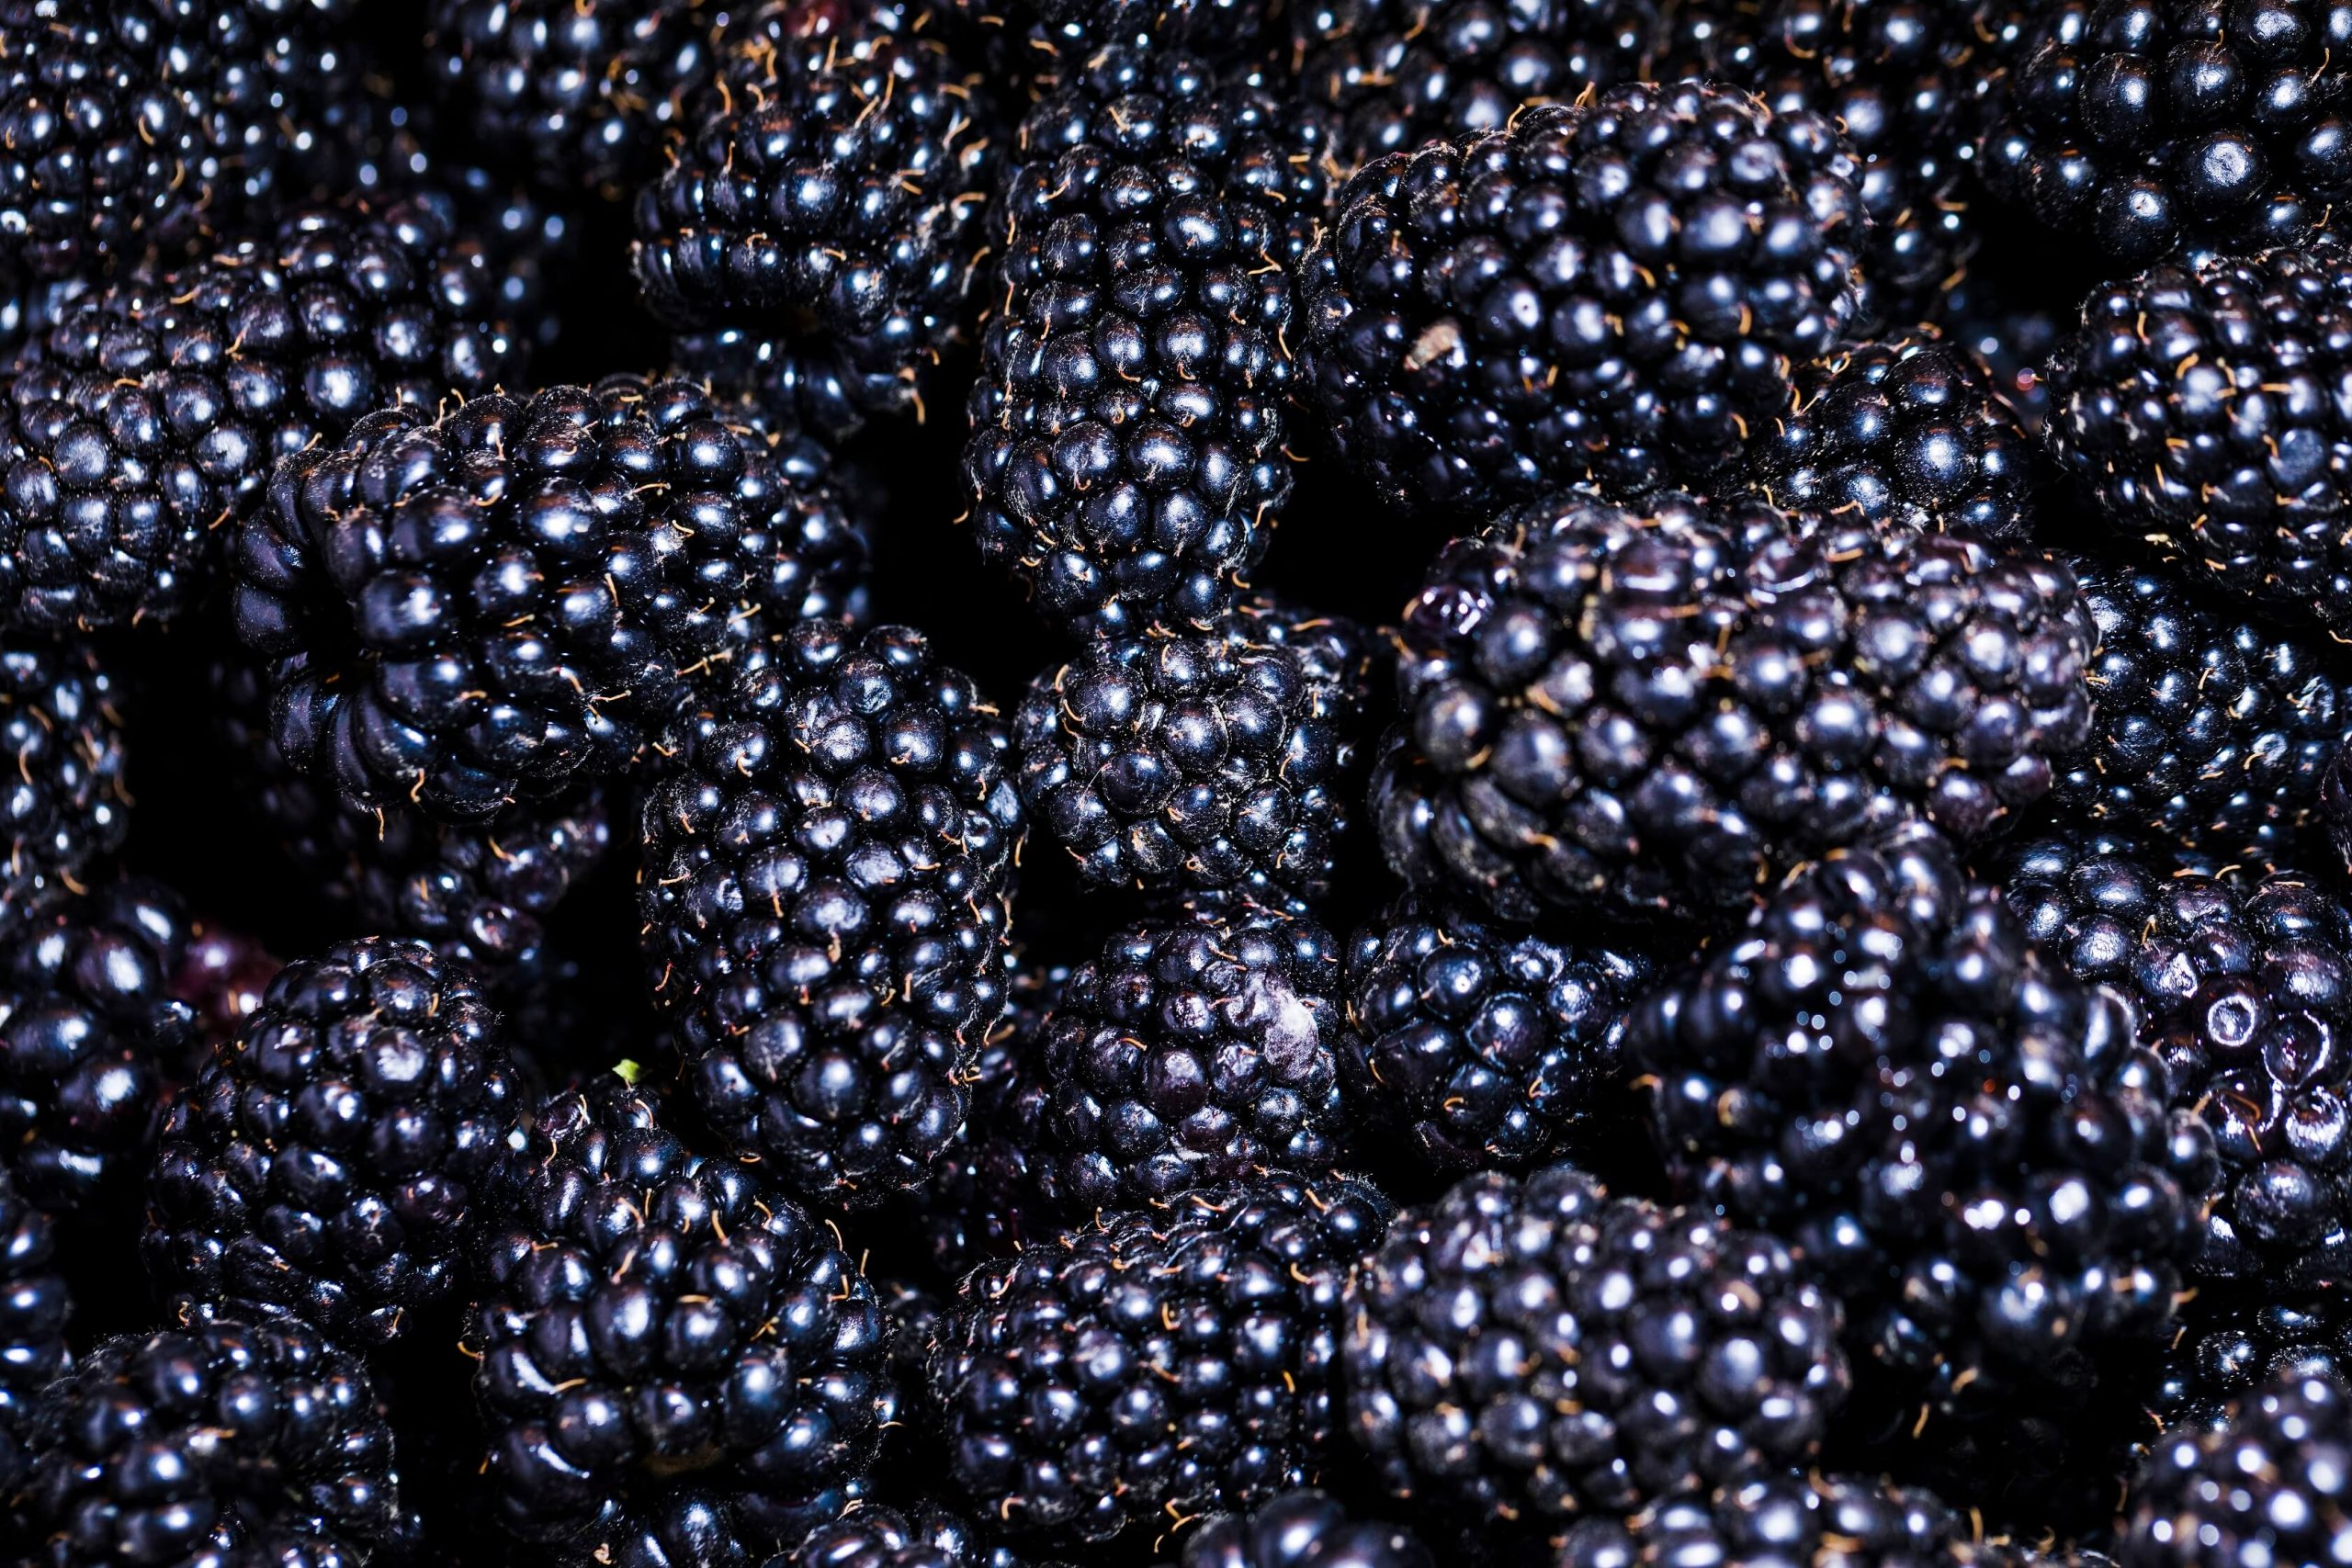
x=1241, y=783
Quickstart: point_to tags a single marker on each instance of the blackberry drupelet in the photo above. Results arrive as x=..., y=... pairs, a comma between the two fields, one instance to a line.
x=1653, y=713
x=1127, y=459
x=2210, y=732
x=925, y=1536
x=1791, y=1521
x=2270, y=1484
x=1075, y=29
x=1192, y=1050
x=33, y=1309
x=1617, y=291
x=827, y=862
x=1303, y=1529
x=223, y=975
x=2012, y=334
x=335, y=1161
x=1907, y=432
x=91, y=1030
x=821, y=216
x=2196, y=407
x=1489, y=1047
x=670, y=1347
x=65, y=806
x=1218, y=765
x=1187, y=1355
x=220, y=1443
x=1527, y=1349
x=149, y=418
x=2244, y=989
x=2227, y=1356
x=2144, y=125
x=518, y=595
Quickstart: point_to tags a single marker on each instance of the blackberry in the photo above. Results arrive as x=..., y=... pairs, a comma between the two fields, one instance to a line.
x=826, y=869
x=2144, y=125
x=576, y=93
x=90, y=1032
x=150, y=417
x=1489, y=1047
x=1800, y=1521
x=2228, y=1356
x=1653, y=713
x=673, y=1354
x=1303, y=1529
x=1192, y=1050
x=335, y=1161
x=1187, y=1354
x=223, y=1442
x=2209, y=732
x=515, y=595
x=66, y=806
x=2195, y=406
x=1524, y=1349
x=2270, y=1484
x=825, y=204
x=924, y=1537
x=2242, y=988
x=1074, y=29
x=1126, y=458
x=1617, y=291
x=1217, y=764
x=1908, y=432
x=33, y=1309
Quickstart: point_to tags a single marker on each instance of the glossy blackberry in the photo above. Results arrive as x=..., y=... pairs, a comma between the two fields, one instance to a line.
x=2272, y=1484
x=670, y=1346
x=2225, y=1357
x=1525, y=1350
x=576, y=93
x=1907, y=432
x=1965, y=1145
x=1126, y=458
x=1192, y=1050
x=2142, y=125
x=2209, y=732
x=2196, y=407
x=2243, y=989
x=147, y=419
x=33, y=1309
x=826, y=867
x=926, y=1536
x=1618, y=291
x=1655, y=713
x=223, y=1442
x=335, y=1161
x=1303, y=1529
x=1489, y=1047
x=1802, y=1521
x=1218, y=766
x=90, y=1032
x=65, y=806
x=1187, y=1354
x=516, y=596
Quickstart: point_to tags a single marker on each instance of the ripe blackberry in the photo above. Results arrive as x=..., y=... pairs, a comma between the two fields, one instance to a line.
x=825, y=204
x=1776, y=1517
x=2209, y=732
x=2225, y=1357
x=1525, y=1350
x=2270, y=1484
x=90, y=1032
x=1187, y=1355
x=33, y=1309
x=515, y=596
x=1908, y=432
x=826, y=867
x=65, y=807
x=1655, y=713
x=1192, y=1050
x=2242, y=988
x=1217, y=764
x=1964, y=1144
x=2196, y=407
x=926, y=1536
x=1489, y=1047
x=672, y=1351
x=1616, y=291
x=333, y=1162
x=1126, y=458
x=575, y=92
x=223, y=1442
x=1303, y=1529
x=2142, y=125
x=150, y=417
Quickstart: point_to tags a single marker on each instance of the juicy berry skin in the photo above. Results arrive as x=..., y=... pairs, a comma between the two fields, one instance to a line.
x=1655, y=713
x=925, y=1537
x=65, y=803
x=827, y=863
x=335, y=1161
x=2267, y=1485
x=1847, y=1522
x=1531, y=1349
x=1188, y=1354
x=1303, y=1529
x=2225, y=1357
x=34, y=1306
x=2142, y=125
x=2199, y=407
x=1615, y=291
